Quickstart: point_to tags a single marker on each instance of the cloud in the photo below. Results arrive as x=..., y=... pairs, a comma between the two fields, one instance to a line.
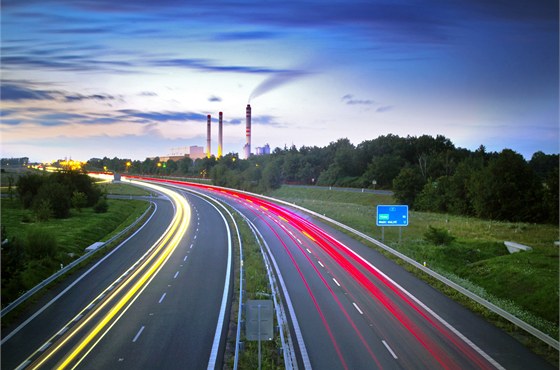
x=384, y=109
x=244, y=36
x=214, y=98
x=80, y=97
x=16, y=93
x=349, y=99
x=208, y=66
x=163, y=116
x=148, y=93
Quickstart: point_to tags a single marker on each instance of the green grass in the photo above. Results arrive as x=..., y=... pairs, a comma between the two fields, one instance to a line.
x=526, y=281
x=123, y=189
x=79, y=231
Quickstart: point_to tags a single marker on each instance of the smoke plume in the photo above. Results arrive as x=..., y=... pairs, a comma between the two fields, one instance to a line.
x=276, y=80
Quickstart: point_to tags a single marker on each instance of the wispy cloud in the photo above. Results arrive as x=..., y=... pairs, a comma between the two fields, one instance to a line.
x=384, y=109
x=351, y=100
x=214, y=98
x=14, y=92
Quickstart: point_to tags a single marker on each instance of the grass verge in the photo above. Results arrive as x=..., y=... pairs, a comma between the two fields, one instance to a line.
x=525, y=284
x=255, y=287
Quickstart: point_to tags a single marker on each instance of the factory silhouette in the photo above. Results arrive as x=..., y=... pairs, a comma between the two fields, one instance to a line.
x=198, y=152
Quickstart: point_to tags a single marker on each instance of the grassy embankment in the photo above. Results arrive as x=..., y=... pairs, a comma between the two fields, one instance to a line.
x=525, y=283
x=73, y=234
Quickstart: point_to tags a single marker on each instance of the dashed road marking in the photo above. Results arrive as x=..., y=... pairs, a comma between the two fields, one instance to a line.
x=308, y=251
x=162, y=297
x=357, y=308
x=138, y=334
x=390, y=350
x=336, y=282
x=321, y=264
x=184, y=259
x=176, y=274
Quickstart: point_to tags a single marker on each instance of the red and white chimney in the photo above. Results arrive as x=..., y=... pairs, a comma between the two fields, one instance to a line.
x=248, y=131
x=220, y=135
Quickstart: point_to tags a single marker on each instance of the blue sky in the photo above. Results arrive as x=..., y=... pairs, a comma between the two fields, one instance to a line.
x=132, y=79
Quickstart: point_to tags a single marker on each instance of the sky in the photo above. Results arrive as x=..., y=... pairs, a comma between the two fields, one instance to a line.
x=135, y=79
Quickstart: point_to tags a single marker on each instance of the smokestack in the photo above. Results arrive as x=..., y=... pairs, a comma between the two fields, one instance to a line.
x=248, y=131
x=208, y=136
x=220, y=135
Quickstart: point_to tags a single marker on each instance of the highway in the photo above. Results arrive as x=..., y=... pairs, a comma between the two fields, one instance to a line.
x=163, y=291
x=161, y=300
x=358, y=310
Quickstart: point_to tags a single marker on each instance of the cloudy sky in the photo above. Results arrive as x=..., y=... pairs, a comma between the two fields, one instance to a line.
x=94, y=78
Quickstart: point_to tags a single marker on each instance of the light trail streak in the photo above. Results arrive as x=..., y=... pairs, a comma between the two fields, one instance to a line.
x=149, y=268
x=347, y=259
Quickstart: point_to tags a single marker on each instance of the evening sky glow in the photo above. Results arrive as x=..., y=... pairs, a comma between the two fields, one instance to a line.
x=133, y=79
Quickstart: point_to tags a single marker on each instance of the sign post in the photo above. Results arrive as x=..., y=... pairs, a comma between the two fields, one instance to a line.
x=392, y=215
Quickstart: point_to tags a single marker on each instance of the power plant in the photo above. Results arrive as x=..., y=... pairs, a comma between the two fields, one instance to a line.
x=246, y=148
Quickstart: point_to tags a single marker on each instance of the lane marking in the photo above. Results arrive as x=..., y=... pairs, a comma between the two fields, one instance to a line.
x=45, y=346
x=63, y=330
x=195, y=236
x=358, y=308
x=23, y=365
x=184, y=259
x=77, y=318
x=299, y=241
x=336, y=282
x=191, y=246
x=308, y=251
x=177, y=273
x=138, y=334
x=321, y=264
x=389, y=349
x=162, y=297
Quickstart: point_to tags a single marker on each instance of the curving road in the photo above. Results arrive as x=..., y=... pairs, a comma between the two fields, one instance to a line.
x=156, y=300
x=358, y=310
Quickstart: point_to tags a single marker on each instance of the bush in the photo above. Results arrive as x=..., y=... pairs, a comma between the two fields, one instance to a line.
x=101, y=206
x=40, y=244
x=79, y=200
x=438, y=236
x=43, y=210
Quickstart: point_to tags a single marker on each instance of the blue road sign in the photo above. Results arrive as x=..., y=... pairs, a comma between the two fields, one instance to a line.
x=396, y=215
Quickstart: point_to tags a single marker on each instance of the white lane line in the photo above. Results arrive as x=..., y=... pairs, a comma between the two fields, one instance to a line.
x=336, y=282
x=195, y=236
x=176, y=274
x=321, y=264
x=62, y=331
x=162, y=297
x=138, y=334
x=191, y=246
x=299, y=241
x=358, y=308
x=78, y=317
x=23, y=365
x=390, y=350
x=308, y=251
x=45, y=346
x=184, y=259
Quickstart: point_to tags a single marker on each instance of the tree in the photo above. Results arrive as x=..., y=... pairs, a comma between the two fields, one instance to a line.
x=57, y=195
x=506, y=189
x=407, y=185
x=79, y=200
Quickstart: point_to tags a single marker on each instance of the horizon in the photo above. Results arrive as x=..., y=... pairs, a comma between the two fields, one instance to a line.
x=131, y=80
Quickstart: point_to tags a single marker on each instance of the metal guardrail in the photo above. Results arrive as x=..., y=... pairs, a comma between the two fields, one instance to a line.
x=68, y=267
x=489, y=305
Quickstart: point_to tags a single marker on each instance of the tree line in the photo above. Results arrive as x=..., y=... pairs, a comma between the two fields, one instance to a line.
x=427, y=173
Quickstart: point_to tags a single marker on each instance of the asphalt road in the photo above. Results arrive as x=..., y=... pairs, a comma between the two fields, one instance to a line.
x=358, y=310
x=171, y=320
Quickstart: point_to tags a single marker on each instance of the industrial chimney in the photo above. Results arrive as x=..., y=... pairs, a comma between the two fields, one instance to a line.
x=248, y=131
x=220, y=136
x=208, y=137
